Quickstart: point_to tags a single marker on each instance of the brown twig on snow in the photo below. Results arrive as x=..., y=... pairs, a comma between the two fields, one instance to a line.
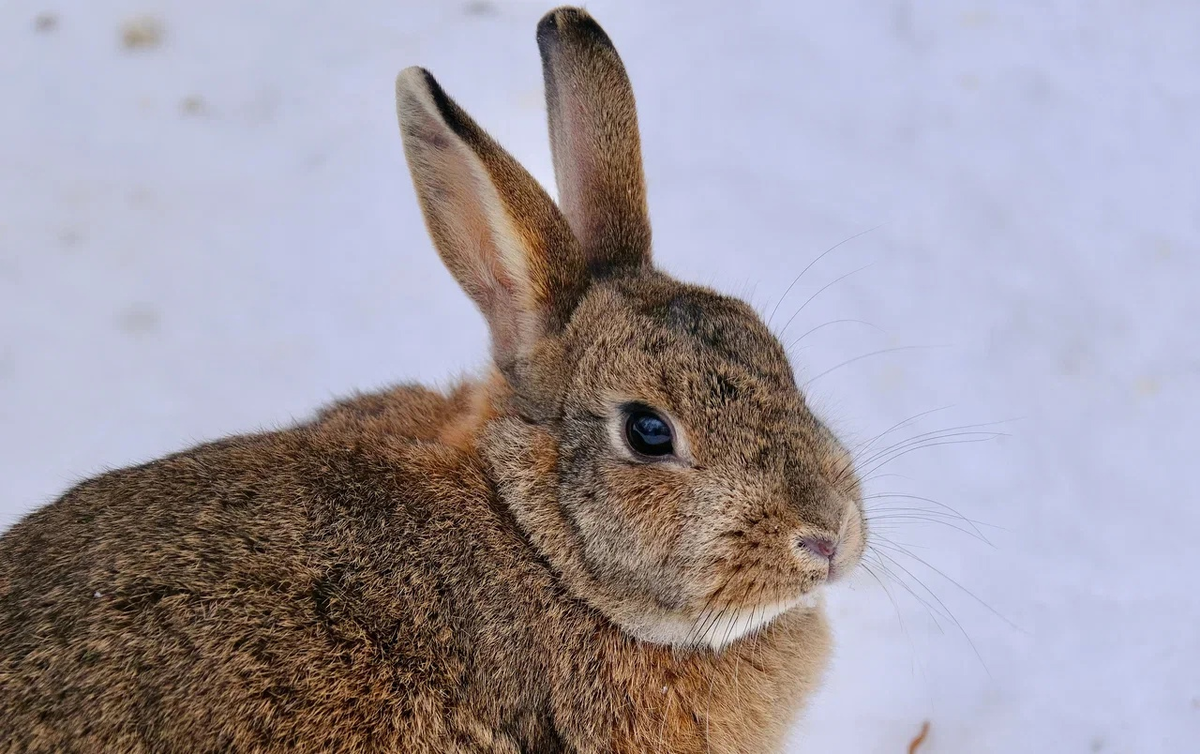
x=920, y=739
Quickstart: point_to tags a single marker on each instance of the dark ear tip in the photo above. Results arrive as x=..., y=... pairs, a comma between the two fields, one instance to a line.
x=414, y=80
x=547, y=29
x=569, y=20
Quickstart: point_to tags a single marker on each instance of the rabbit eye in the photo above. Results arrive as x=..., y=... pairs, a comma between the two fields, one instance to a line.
x=648, y=434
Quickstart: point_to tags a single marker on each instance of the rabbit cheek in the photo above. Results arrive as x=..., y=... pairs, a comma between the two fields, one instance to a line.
x=744, y=573
x=637, y=527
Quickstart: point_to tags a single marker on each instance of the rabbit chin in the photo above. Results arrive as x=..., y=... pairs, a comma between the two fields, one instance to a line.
x=718, y=628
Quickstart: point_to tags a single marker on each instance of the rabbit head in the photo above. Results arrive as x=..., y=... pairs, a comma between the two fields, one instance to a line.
x=649, y=435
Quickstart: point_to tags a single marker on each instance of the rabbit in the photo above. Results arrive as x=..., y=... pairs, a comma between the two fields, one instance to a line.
x=614, y=539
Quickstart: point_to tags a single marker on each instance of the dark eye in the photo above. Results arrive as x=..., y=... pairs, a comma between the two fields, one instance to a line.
x=648, y=434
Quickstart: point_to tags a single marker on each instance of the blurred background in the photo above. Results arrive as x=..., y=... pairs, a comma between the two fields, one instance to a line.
x=207, y=227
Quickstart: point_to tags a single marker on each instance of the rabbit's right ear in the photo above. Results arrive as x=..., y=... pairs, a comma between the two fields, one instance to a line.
x=594, y=140
x=495, y=228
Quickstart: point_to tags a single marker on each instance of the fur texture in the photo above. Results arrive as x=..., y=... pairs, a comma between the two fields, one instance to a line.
x=493, y=569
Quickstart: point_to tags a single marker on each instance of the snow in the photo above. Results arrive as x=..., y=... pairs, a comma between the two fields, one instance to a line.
x=217, y=233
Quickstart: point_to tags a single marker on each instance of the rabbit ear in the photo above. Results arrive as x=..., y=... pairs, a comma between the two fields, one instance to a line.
x=594, y=140
x=494, y=227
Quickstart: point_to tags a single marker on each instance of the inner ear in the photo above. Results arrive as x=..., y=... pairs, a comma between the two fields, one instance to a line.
x=496, y=229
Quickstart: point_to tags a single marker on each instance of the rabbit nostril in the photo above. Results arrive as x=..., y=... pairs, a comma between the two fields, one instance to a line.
x=821, y=546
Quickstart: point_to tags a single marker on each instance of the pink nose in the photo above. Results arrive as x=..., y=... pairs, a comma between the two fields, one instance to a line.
x=822, y=546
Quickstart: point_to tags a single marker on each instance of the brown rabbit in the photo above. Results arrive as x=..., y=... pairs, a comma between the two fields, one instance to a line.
x=612, y=542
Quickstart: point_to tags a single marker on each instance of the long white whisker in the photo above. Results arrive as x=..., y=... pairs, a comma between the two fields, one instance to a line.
x=821, y=256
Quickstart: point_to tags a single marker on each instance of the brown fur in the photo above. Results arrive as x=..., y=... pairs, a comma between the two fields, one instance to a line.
x=594, y=140
x=488, y=570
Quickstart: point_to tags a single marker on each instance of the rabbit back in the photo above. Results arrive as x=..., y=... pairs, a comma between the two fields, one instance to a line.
x=305, y=589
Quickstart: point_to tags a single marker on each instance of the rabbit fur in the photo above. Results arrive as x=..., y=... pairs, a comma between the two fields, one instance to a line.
x=488, y=569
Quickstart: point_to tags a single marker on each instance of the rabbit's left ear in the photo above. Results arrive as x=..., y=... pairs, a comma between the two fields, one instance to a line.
x=495, y=228
x=594, y=140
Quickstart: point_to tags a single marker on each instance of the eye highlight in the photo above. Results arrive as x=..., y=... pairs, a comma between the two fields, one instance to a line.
x=647, y=433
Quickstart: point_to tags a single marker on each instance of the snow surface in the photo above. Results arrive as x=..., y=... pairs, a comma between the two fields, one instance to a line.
x=173, y=270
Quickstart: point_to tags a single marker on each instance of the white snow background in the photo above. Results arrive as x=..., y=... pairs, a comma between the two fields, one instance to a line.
x=218, y=233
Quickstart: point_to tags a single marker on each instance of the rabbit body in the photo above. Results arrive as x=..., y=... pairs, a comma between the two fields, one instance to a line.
x=612, y=541
x=353, y=584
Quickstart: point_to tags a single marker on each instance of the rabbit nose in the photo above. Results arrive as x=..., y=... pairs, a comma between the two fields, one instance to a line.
x=822, y=547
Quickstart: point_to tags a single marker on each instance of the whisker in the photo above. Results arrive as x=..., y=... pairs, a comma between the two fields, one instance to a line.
x=877, y=519
x=861, y=448
x=867, y=356
x=949, y=509
x=797, y=341
x=926, y=446
x=869, y=465
x=966, y=430
x=687, y=639
x=932, y=610
x=822, y=289
x=946, y=511
x=900, y=424
x=968, y=592
x=867, y=567
x=712, y=621
x=900, y=506
x=733, y=620
x=961, y=430
x=932, y=594
x=821, y=256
